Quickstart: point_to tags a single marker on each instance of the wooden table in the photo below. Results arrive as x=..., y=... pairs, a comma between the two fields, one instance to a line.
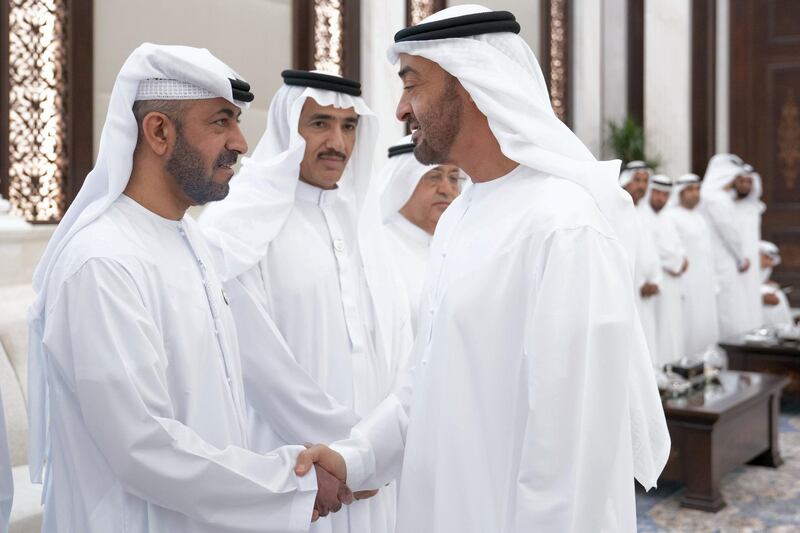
x=716, y=430
x=782, y=359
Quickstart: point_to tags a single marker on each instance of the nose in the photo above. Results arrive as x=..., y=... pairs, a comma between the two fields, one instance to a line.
x=237, y=142
x=446, y=188
x=336, y=139
x=403, y=108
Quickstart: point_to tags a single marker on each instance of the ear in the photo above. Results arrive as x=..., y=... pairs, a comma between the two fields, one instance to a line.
x=158, y=132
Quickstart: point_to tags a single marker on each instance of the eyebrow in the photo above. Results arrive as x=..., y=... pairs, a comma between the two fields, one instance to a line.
x=405, y=71
x=323, y=116
x=320, y=116
x=229, y=112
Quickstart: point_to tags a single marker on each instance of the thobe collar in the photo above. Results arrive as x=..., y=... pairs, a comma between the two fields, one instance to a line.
x=645, y=207
x=153, y=217
x=315, y=195
x=480, y=190
x=411, y=230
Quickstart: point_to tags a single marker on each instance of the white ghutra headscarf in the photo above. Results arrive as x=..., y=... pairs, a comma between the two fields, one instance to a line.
x=680, y=185
x=722, y=170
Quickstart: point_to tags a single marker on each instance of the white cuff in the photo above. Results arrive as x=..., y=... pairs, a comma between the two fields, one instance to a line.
x=303, y=501
x=353, y=453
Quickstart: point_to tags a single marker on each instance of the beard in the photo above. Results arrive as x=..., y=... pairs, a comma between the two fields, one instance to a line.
x=440, y=125
x=690, y=204
x=197, y=182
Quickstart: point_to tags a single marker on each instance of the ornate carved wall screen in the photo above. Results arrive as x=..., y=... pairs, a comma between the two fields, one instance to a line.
x=326, y=36
x=45, y=103
x=416, y=10
x=555, y=55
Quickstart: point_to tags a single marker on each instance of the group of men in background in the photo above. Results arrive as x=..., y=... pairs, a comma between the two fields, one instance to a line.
x=703, y=274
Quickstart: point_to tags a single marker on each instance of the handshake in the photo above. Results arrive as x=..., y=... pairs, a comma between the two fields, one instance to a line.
x=332, y=489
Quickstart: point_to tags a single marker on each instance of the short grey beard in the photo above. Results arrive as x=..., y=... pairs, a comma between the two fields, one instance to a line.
x=443, y=123
x=186, y=166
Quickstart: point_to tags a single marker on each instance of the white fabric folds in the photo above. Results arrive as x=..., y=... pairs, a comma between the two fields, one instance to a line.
x=504, y=79
x=262, y=193
x=102, y=187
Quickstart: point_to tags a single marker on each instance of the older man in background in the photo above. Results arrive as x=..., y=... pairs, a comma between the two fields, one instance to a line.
x=413, y=199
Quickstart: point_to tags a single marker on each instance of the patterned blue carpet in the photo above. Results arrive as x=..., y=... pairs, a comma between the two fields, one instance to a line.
x=759, y=499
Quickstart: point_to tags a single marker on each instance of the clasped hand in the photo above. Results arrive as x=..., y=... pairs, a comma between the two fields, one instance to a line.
x=332, y=490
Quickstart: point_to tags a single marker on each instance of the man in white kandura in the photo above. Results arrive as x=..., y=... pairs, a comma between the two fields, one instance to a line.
x=699, y=282
x=674, y=264
x=776, y=309
x=299, y=241
x=531, y=403
x=648, y=275
x=413, y=199
x=136, y=398
x=730, y=200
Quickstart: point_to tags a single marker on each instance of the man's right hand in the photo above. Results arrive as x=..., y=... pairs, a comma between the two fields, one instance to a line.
x=324, y=457
x=331, y=493
x=648, y=289
x=744, y=266
x=331, y=477
x=365, y=494
x=770, y=299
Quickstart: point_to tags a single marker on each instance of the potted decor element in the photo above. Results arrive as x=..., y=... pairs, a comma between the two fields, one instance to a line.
x=627, y=142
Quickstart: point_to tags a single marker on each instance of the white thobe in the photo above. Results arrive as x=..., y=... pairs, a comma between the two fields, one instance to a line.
x=6, y=479
x=519, y=417
x=410, y=247
x=322, y=370
x=735, y=299
x=748, y=215
x=669, y=305
x=648, y=270
x=147, y=418
x=700, y=323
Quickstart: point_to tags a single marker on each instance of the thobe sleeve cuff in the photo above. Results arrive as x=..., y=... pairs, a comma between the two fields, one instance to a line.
x=303, y=502
x=358, y=458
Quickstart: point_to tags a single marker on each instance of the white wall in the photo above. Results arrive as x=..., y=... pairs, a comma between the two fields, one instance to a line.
x=615, y=66
x=599, y=70
x=252, y=36
x=723, y=76
x=381, y=87
x=526, y=12
x=587, y=72
x=667, y=84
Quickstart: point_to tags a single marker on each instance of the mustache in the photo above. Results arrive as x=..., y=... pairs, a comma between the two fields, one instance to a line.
x=227, y=158
x=332, y=153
